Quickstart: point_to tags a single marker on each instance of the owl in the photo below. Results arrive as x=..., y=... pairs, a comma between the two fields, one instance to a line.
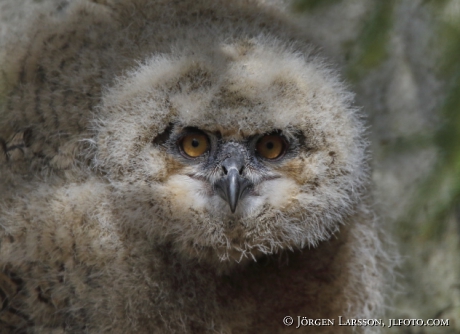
x=181, y=167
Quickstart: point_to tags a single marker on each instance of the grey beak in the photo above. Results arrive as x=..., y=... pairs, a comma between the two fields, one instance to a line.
x=232, y=186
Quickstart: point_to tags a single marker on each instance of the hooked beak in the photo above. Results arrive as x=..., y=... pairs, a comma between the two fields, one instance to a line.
x=232, y=186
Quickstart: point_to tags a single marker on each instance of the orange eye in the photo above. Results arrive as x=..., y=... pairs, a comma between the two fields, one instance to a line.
x=271, y=146
x=194, y=144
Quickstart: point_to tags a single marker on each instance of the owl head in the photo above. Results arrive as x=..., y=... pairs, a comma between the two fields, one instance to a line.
x=233, y=149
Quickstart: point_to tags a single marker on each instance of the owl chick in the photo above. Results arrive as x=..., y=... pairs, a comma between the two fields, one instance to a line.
x=180, y=167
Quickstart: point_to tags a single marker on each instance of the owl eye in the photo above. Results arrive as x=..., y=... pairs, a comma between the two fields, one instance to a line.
x=194, y=144
x=271, y=146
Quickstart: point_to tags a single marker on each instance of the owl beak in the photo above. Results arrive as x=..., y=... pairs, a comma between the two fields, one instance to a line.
x=232, y=186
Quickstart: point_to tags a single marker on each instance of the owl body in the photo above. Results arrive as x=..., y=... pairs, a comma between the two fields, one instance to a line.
x=180, y=167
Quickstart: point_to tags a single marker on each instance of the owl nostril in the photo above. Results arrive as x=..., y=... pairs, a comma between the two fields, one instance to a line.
x=232, y=164
x=235, y=162
x=240, y=171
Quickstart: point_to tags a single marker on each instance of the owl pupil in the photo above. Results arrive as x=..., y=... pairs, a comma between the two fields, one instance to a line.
x=270, y=145
x=195, y=142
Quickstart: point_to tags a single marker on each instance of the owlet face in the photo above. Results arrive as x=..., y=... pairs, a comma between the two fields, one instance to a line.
x=242, y=150
x=232, y=170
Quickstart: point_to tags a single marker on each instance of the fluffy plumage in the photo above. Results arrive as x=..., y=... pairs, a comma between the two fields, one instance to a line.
x=105, y=228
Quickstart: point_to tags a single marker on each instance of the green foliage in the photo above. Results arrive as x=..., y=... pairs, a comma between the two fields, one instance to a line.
x=441, y=190
x=369, y=49
x=308, y=5
x=371, y=44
